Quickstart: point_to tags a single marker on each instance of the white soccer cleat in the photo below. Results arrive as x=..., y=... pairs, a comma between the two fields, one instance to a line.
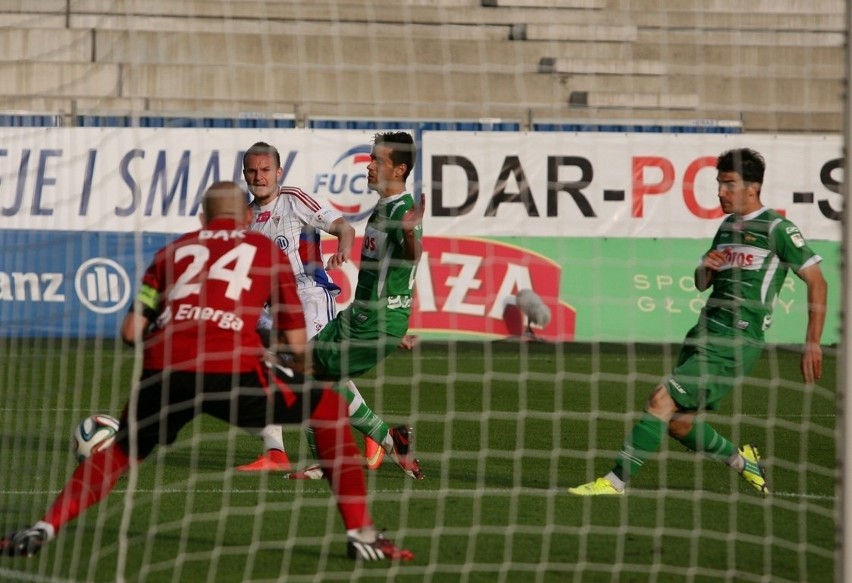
x=309, y=473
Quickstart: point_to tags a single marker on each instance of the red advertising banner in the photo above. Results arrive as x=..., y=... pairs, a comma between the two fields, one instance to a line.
x=468, y=286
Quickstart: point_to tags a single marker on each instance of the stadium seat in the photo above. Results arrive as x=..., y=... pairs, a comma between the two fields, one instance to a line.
x=463, y=59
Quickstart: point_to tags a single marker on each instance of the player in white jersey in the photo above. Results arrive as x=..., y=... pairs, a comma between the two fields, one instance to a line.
x=296, y=221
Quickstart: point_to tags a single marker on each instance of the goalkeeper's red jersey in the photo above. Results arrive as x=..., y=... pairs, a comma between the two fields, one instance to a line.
x=205, y=292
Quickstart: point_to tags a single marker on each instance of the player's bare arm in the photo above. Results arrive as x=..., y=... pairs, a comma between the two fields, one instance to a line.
x=133, y=327
x=409, y=341
x=345, y=234
x=290, y=349
x=710, y=264
x=413, y=248
x=811, y=364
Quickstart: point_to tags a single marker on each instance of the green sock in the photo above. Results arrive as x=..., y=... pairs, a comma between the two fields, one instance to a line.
x=643, y=442
x=703, y=438
x=309, y=436
x=361, y=417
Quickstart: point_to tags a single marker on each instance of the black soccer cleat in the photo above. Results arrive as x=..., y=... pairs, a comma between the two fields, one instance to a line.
x=378, y=550
x=24, y=543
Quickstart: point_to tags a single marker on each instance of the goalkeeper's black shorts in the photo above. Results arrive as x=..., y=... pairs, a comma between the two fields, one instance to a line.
x=165, y=401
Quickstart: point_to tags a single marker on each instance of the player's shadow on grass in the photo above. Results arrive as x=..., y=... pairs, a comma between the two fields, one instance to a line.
x=205, y=459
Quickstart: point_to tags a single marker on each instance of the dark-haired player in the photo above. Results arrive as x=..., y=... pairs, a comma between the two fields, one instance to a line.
x=746, y=266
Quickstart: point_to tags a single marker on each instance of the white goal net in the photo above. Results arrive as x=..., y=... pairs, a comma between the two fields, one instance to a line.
x=568, y=147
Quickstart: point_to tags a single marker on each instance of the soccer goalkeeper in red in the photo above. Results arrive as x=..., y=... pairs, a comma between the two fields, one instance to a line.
x=196, y=314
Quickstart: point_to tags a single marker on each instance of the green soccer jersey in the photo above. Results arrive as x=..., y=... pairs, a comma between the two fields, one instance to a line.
x=385, y=277
x=759, y=249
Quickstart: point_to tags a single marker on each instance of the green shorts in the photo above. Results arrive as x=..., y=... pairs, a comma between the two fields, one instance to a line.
x=709, y=367
x=356, y=341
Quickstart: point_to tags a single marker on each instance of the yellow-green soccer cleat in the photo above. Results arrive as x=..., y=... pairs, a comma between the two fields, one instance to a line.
x=753, y=471
x=600, y=487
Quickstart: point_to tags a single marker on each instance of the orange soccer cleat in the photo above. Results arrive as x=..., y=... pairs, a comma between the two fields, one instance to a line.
x=273, y=460
x=374, y=453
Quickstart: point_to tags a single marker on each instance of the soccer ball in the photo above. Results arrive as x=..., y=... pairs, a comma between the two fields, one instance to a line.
x=94, y=434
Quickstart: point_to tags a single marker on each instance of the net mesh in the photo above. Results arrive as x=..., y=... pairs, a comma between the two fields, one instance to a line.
x=565, y=146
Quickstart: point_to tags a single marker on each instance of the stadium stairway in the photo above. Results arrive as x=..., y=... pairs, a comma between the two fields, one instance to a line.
x=503, y=59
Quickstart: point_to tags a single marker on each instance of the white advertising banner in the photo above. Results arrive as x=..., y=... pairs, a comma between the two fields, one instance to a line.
x=478, y=184
x=131, y=179
x=617, y=185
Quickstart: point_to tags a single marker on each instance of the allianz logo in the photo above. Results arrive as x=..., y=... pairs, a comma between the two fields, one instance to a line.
x=101, y=285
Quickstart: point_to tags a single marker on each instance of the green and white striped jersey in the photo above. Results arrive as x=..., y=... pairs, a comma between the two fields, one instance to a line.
x=385, y=277
x=759, y=249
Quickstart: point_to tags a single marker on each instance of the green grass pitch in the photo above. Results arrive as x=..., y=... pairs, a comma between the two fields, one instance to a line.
x=501, y=428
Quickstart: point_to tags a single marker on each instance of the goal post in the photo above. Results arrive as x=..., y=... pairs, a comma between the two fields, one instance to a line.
x=844, y=379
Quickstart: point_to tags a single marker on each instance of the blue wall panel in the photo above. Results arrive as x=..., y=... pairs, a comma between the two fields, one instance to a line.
x=70, y=283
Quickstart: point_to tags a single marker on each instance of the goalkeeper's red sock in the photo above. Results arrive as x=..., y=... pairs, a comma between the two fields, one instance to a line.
x=341, y=459
x=93, y=479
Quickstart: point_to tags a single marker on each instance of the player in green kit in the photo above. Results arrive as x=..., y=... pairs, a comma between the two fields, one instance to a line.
x=746, y=267
x=376, y=322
